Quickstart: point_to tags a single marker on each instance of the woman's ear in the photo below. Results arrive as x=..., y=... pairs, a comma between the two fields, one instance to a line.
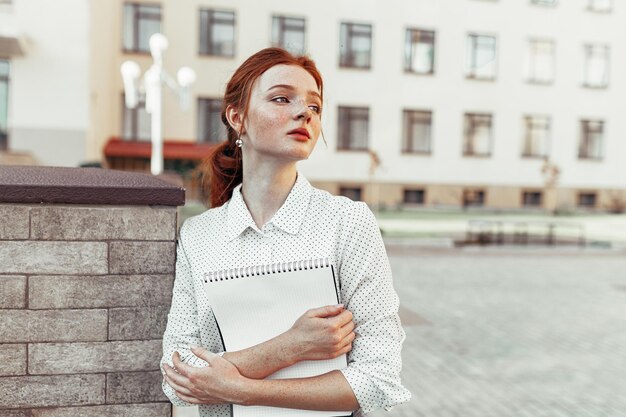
x=234, y=119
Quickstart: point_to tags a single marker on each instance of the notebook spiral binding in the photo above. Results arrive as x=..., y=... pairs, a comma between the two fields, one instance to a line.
x=258, y=270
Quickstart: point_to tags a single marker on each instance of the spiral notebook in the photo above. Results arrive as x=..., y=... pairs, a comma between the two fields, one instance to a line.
x=254, y=304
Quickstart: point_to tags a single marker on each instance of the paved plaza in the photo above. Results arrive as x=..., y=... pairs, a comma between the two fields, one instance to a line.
x=512, y=333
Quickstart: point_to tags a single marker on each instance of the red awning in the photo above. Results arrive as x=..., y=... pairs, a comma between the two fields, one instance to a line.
x=172, y=149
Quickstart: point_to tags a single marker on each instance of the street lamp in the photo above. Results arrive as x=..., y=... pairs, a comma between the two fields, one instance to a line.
x=153, y=80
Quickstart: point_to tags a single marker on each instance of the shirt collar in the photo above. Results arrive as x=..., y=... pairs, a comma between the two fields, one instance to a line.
x=288, y=218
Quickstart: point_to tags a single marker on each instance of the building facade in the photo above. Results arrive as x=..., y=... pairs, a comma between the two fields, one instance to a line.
x=456, y=103
x=44, y=81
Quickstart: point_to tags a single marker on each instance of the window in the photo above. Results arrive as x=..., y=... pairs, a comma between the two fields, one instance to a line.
x=353, y=193
x=140, y=22
x=591, y=137
x=210, y=126
x=540, y=61
x=414, y=196
x=596, y=68
x=480, y=60
x=473, y=198
x=600, y=5
x=217, y=33
x=136, y=122
x=587, y=200
x=353, y=128
x=544, y=2
x=417, y=131
x=355, y=48
x=536, y=137
x=289, y=33
x=419, y=51
x=4, y=104
x=477, y=134
x=531, y=198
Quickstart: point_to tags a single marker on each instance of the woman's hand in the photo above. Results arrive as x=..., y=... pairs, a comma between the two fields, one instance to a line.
x=218, y=383
x=321, y=333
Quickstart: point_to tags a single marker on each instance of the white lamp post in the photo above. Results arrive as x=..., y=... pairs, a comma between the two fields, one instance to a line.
x=153, y=80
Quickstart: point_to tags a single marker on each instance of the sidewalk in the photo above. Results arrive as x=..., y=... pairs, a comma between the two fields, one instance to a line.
x=512, y=334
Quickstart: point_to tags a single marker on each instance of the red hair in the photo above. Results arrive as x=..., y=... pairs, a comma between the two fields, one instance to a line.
x=221, y=171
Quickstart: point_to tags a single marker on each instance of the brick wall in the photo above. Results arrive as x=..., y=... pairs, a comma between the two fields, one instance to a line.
x=84, y=296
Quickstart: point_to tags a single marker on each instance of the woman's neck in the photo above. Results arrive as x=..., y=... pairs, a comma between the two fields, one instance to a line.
x=265, y=189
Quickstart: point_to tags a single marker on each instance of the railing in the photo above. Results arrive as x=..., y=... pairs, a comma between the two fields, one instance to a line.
x=524, y=232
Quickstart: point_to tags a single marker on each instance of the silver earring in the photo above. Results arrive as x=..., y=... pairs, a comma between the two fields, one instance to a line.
x=239, y=143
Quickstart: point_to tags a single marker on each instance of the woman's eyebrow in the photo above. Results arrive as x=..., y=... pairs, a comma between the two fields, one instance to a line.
x=291, y=88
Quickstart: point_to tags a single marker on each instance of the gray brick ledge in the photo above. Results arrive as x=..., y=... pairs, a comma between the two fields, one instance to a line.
x=34, y=184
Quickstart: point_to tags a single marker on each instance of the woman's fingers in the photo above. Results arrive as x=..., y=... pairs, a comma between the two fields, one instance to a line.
x=342, y=319
x=175, y=376
x=178, y=387
x=188, y=399
x=181, y=367
x=346, y=329
x=347, y=348
x=325, y=311
x=204, y=354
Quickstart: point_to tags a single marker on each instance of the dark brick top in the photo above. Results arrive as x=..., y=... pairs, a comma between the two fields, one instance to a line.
x=20, y=184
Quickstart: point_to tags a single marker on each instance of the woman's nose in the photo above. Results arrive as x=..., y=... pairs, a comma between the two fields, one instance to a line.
x=303, y=113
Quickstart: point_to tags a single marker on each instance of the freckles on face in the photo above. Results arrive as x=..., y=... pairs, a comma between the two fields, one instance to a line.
x=283, y=99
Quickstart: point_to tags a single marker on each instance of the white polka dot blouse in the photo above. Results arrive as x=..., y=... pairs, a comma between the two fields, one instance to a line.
x=310, y=224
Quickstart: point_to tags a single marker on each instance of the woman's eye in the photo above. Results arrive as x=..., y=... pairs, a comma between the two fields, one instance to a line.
x=281, y=100
x=316, y=109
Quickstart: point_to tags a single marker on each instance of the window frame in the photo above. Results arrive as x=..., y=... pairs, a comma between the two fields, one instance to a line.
x=530, y=76
x=532, y=193
x=409, y=41
x=345, y=117
x=135, y=31
x=205, y=127
x=346, y=190
x=466, y=152
x=210, y=52
x=579, y=199
x=592, y=7
x=134, y=112
x=587, y=47
x=584, y=140
x=470, y=71
x=420, y=192
x=525, y=139
x=544, y=4
x=346, y=60
x=409, y=117
x=280, y=42
x=5, y=79
x=474, y=202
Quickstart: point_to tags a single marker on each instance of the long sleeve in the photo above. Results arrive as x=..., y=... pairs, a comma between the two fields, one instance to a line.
x=374, y=363
x=182, y=324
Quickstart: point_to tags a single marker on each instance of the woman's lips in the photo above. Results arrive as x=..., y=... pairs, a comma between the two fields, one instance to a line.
x=300, y=134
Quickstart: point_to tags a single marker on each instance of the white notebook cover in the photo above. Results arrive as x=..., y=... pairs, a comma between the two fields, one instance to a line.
x=253, y=305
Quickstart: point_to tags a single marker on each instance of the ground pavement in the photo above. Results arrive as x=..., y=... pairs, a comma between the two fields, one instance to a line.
x=536, y=332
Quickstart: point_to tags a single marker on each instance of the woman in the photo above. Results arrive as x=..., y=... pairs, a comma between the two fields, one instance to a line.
x=264, y=212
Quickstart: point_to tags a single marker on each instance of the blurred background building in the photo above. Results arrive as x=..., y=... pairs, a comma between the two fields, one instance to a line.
x=428, y=102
